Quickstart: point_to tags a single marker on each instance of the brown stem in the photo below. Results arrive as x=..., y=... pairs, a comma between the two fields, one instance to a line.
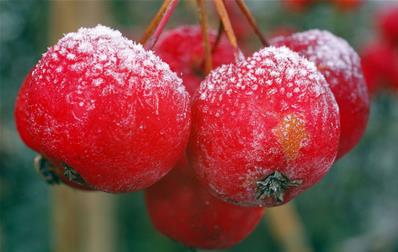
x=205, y=35
x=250, y=18
x=223, y=14
x=218, y=38
x=155, y=22
x=152, y=41
x=215, y=44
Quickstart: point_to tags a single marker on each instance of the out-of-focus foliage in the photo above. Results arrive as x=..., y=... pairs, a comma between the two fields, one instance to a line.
x=353, y=209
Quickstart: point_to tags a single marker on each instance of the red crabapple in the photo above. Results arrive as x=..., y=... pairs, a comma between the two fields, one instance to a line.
x=380, y=65
x=182, y=49
x=105, y=108
x=341, y=67
x=54, y=174
x=347, y=5
x=265, y=129
x=388, y=24
x=297, y=5
x=185, y=211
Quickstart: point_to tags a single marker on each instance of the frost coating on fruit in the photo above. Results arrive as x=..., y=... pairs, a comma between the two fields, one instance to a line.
x=106, y=107
x=341, y=67
x=185, y=211
x=271, y=113
x=182, y=48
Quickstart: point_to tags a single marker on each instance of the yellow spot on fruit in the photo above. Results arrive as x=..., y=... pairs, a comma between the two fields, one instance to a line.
x=291, y=133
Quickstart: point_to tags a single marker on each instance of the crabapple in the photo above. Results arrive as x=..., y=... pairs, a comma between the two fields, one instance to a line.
x=185, y=211
x=297, y=5
x=380, y=65
x=347, y=5
x=341, y=67
x=105, y=110
x=265, y=129
x=182, y=49
x=388, y=24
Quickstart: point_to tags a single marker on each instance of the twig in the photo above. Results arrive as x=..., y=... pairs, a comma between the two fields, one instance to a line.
x=155, y=22
x=165, y=18
x=205, y=35
x=218, y=38
x=250, y=18
x=223, y=14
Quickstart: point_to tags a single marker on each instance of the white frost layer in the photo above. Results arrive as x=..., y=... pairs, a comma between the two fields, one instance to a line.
x=102, y=51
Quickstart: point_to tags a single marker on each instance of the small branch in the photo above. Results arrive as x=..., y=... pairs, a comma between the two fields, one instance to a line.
x=218, y=38
x=205, y=35
x=155, y=22
x=223, y=14
x=215, y=43
x=250, y=18
x=169, y=11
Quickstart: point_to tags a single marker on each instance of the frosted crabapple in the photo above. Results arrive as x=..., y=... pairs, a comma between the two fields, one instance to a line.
x=341, y=67
x=105, y=109
x=58, y=173
x=185, y=211
x=265, y=129
x=182, y=48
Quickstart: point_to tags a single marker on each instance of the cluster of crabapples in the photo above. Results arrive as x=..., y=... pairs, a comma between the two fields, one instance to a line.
x=211, y=151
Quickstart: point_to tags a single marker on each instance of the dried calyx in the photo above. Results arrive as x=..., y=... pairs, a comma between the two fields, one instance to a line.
x=72, y=175
x=274, y=185
x=48, y=171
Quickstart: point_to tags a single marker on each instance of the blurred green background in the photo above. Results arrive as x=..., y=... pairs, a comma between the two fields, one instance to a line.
x=354, y=208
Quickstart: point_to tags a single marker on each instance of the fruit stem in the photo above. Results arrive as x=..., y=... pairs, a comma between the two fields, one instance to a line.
x=218, y=38
x=205, y=35
x=158, y=23
x=155, y=22
x=252, y=21
x=223, y=14
x=216, y=42
x=274, y=185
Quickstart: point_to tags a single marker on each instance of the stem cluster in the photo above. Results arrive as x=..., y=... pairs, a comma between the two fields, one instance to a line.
x=161, y=18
